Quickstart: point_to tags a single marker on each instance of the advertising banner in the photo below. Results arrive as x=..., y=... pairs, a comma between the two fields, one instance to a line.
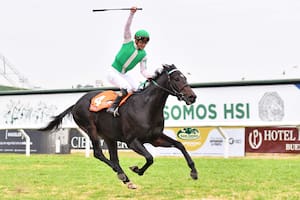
x=77, y=141
x=203, y=141
x=235, y=104
x=272, y=140
x=197, y=141
x=238, y=105
x=12, y=141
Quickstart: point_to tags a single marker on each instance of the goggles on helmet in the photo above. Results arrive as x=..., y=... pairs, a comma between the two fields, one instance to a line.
x=144, y=39
x=142, y=35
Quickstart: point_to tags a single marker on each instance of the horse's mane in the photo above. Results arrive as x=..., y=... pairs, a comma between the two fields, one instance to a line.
x=164, y=68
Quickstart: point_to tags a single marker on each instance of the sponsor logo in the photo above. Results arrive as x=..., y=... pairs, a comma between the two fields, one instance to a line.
x=255, y=139
x=188, y=134
x=271, y=107
x=233, y=141
x=191, y=138
x=216, y=141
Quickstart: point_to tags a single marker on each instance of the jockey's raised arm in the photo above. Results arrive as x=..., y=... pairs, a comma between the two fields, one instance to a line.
x=127, y=31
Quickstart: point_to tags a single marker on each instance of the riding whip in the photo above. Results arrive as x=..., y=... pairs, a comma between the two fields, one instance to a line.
x=109, y=9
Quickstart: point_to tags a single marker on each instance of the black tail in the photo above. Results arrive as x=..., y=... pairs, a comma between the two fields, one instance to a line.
x=54, y=124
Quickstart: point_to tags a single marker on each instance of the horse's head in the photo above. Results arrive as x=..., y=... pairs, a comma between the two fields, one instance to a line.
x=176, y=84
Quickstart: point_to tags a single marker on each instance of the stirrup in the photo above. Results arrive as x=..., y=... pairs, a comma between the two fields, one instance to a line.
x=114, y=112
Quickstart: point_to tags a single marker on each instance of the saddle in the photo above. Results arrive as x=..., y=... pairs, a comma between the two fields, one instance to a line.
x=105, y=100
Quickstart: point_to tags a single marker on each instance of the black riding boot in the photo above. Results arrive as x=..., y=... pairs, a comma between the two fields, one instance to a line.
x=113, y=109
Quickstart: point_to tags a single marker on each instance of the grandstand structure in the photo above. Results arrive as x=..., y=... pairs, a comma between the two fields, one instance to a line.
x=10, y=76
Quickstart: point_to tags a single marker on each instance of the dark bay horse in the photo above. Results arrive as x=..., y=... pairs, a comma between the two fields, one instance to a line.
x=141, y=121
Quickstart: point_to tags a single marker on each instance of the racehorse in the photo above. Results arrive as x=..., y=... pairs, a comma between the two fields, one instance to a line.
x=141, y=121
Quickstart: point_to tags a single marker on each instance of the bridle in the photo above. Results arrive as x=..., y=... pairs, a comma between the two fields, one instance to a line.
x=172, y=90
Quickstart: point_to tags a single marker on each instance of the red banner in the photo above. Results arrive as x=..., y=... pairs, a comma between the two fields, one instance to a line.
x=272, y=140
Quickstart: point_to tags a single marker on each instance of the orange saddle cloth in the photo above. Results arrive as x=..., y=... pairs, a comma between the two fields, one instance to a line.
x=104, y=100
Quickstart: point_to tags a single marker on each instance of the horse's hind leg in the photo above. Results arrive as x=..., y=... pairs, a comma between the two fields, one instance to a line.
x=165, y=141
x=139, y=148
x=99, y=154
x=113, y=153
x=92, y=132
x=114, y=160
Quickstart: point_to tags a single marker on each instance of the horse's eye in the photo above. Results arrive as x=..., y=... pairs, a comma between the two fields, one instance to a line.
x=177, y=79
x=183, y=76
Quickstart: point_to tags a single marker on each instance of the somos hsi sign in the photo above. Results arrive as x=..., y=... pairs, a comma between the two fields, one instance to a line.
x=241, y=104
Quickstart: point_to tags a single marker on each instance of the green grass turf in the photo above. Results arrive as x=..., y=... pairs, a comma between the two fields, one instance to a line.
x=76, y=177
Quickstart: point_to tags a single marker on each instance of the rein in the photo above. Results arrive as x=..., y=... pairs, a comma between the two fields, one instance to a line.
x=173, y=91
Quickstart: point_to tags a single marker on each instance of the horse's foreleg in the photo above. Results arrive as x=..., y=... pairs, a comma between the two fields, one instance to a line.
x=139, y=148
x=165, y=141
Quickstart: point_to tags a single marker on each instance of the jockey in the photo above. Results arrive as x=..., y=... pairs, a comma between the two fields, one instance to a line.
x=131, y=53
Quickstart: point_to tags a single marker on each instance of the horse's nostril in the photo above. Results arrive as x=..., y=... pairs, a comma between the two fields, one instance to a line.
x=192, y=98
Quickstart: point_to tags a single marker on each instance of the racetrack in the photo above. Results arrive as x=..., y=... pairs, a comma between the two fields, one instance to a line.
x=76, y=177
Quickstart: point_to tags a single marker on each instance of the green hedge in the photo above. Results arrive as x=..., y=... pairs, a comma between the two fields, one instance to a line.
x=5, y=88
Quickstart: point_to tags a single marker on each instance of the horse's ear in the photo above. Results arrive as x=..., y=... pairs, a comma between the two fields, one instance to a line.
x=158, y=71
x=165, y=66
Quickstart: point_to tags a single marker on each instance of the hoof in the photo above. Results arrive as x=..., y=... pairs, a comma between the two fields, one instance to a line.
x=194, y=175
x=131, y=185
x=135, y=169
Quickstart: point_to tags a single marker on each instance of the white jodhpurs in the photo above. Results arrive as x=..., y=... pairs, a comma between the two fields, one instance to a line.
x=120, y=80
